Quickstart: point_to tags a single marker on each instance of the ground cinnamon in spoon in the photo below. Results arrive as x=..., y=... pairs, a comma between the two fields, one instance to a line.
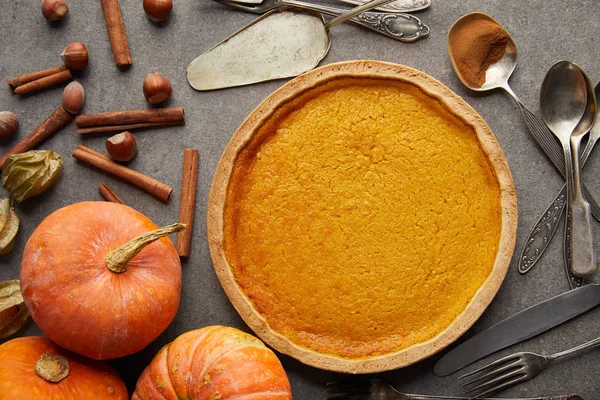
x=475, y=46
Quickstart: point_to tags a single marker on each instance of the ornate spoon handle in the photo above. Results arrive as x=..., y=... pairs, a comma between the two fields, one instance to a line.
x=574, y=281
x=402, y=27
x=397, y=6
x=542, y=232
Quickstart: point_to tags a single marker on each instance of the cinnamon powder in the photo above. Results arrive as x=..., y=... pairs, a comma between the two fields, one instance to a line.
x=475, y=46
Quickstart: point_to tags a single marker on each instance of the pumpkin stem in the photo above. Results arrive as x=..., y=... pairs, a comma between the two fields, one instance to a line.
x=117, y=259
x=52, y=368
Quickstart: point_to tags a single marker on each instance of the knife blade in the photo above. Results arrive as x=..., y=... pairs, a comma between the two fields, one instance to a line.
x=524, y=325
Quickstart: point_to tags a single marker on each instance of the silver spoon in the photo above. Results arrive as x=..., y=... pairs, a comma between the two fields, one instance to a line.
x=569, y=115
x=280, y=44
x=497, y=77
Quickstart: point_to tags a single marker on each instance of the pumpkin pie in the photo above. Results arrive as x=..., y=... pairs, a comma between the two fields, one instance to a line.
x=362, y=217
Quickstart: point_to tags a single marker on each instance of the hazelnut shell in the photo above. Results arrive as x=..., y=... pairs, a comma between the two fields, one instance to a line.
x=54, y=10
x=73, y=98
x=9, y=123
x=75, y=56
x=157, y=88
x=158, y=10
x=122, y=146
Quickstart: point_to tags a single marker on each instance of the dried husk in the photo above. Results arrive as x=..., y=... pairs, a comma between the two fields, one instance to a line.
x=28, y=174
x=9, y=226
x=10, y=296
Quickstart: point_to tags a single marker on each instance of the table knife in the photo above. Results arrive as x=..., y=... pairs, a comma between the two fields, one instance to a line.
x=524, y=325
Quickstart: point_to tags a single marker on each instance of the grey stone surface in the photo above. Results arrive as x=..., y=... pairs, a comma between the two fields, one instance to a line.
x=545, y=32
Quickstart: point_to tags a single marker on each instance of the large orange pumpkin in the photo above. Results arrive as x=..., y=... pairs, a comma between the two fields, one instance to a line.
x=87, y=287
x=34, y=368
x=215, y=362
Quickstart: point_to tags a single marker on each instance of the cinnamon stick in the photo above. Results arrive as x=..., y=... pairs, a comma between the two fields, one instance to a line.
x=100, y=161
x=109, y=194
x=187, y=203
x=34, y=76
x=161, y=115
x=43, y=83
x=55, y=122
x=120, y=128
x=116, y=32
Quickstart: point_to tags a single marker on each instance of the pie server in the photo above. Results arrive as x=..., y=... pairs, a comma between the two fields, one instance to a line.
x=524, y=325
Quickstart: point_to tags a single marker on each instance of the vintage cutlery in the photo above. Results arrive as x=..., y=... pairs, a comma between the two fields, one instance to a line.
x=497, y=78
x=524, y=325
x=380, y=389
x=540, y=235
x=398, y=5
x=514, y=369
x=543, y=230
x=402, y=27
x=280, y=44
x=568, y=108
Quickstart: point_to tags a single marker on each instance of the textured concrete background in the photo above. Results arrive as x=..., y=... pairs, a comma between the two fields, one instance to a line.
x=545, y=32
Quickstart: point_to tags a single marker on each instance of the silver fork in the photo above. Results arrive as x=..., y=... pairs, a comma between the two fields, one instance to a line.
x=380, y=389
x=399, y=26
x=514, y=369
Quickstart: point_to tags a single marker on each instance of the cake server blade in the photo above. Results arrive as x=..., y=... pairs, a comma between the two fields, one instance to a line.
x=524, y=325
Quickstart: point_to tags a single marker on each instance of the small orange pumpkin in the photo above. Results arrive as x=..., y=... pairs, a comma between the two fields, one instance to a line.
x=215, y=362
x=34, y=368
x=98, y=279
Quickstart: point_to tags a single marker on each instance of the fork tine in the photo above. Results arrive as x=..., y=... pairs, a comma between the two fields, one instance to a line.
x=496, y=363
x=494, y=372
x=500, y=387
x=493, y=385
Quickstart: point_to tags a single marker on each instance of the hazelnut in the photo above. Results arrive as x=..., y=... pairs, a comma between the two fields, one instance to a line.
x=75, y=56
x=158, y=10
x=54, y=10
x=122, y=146
x=73, y=98
x=157, y=88
x=9, y=123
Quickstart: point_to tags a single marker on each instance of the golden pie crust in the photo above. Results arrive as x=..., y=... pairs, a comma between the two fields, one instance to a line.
x=362, y=217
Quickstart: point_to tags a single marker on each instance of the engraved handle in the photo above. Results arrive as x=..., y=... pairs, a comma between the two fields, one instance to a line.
x=402, y=27
x=583, y=258
x=542, y=232
x=397, y=6
x=574, y=281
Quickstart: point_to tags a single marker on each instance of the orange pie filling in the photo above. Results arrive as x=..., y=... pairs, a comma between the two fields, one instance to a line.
x=362, y=218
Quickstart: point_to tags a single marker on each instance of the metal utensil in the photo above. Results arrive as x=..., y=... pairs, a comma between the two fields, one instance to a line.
x=569, y=115
x=524, y=325
x=398, y=5
x=514, y=369
x=544, y=229
x=497, y=77
x=280, y=44
x=379, y=389
x=402, y=27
